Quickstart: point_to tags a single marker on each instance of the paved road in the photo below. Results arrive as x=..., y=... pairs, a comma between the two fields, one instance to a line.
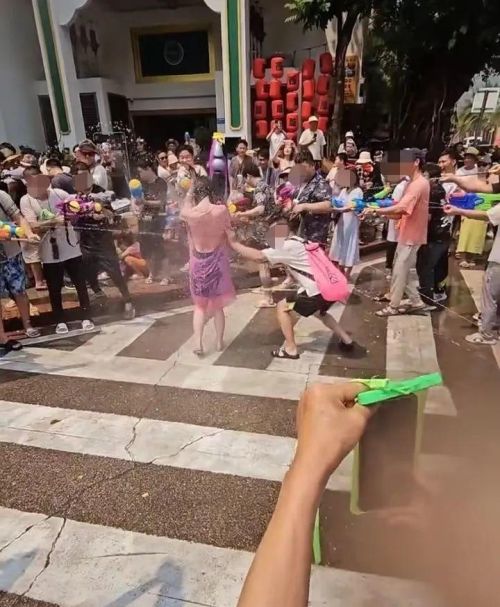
x=135, y=473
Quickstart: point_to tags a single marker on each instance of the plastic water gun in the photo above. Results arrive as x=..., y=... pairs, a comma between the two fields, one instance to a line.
x=10, y=230
x=284, y=196
x=76, y=207
x=47, y=215
x=385, y=193
x=358, y=205
x=385, y=389
x=474, y=201
x=238, y=204
x=135, y=187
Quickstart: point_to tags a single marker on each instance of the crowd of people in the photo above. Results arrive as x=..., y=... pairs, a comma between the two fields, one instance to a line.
x=176, y=218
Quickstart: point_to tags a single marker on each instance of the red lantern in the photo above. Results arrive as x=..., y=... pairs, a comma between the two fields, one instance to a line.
x=306, y=110
x=292, y=80
x=275, y=89
x=326, y=63
x=308, y=68
x=323, y=123
x=308, y=90
x=259, y=68
x=261, y=129
x=323, y=105
x=260, y=110
x=323, y=85
x=277, y=67
x=278, y=109
x=292, y=122
x=261, y=89
x=292, y=136
x=292, y=101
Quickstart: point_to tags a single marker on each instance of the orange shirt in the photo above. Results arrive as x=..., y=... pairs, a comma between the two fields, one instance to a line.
x=413, y=224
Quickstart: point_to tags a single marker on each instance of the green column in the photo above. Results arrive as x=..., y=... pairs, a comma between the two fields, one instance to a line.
x=54, y=71
x=234, y=51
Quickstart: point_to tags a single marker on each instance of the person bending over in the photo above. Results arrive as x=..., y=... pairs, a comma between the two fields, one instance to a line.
x=307, y=301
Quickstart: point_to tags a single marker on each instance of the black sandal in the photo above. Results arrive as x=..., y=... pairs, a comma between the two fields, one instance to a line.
x=12, y=345
x=282, y=353
x=382, y=298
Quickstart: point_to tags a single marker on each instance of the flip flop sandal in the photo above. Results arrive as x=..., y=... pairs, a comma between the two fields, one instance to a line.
x=282, y=353
x=33, y=332
x=382, y=298
x=388, y=311
x=422, y=310
x=478, y=338
x=12, y=345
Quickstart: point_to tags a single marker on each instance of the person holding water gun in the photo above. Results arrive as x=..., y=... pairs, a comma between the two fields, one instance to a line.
x=490, y=296
x=344, y=249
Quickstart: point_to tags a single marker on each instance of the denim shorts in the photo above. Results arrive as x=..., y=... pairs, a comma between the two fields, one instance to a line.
x=12, y=276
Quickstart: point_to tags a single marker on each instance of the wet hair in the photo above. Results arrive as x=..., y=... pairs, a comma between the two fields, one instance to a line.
x=29, y=171
x=250, y=170
x=305, y=157
x=202, y=189
x=432, y=170
x=53, y=162
x=185, y=148
x=145, y=164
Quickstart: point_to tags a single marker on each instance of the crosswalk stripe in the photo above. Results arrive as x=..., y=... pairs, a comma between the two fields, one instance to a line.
x=71, y=563
x=162, y=443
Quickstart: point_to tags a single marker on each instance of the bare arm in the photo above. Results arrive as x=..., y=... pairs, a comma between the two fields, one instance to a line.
x=468, y=183
x=316, y=208
x=328, y=428
x=255, y=212
x=247, y=252
x=469, y=214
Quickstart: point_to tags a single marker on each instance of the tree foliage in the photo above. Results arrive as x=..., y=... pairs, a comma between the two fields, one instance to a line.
x=423, y=53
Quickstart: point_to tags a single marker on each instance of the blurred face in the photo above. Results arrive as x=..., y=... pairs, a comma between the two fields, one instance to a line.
x=263, y=162
x=186, y=158
x=29, y=159
x=38, y=185
x=446, y=164
x=288, y=150
x=171, y=147
x=82, y=181
x=52, y=171
x=308, y=170
x=278, y=125
x=163, y=160
x=251, y=181
x=141, y=146
x=241, y=149
x=313, y=126
x=469, y=161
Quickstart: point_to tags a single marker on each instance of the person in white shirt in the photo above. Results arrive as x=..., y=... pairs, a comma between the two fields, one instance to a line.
x=313, y=139
x=276, y=138
x=59, y=247
x=470, y=163
x=307, y=301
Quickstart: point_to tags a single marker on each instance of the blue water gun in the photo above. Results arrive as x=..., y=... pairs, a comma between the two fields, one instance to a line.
x=136, y=190
x=474, y=201
x=358, y=205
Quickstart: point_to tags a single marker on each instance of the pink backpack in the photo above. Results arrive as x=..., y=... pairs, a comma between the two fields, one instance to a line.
x=330, y=281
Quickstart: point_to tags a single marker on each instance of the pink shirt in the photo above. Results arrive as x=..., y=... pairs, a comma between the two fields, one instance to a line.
x=413, y=224
x=208, y=226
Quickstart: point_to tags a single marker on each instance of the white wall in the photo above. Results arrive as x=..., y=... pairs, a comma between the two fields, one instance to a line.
x=20, y=120
x=117, y=62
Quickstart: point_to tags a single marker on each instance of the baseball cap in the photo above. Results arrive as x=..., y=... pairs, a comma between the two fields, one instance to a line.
x=313, y=119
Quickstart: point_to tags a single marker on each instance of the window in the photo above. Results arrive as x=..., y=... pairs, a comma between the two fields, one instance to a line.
x=162, y=54
x=90, y=113
x=49, y=127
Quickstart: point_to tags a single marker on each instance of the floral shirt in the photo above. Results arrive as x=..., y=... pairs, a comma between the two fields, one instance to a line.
x=315, y=227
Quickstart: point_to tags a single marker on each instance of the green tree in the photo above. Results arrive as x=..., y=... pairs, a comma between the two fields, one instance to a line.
x=344, y=14
x=427, y=52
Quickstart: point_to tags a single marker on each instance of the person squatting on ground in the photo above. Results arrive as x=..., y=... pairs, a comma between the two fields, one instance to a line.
x=307, y=301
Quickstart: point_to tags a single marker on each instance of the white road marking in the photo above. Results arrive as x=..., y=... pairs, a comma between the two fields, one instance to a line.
x=93, y=565
x=162, y=443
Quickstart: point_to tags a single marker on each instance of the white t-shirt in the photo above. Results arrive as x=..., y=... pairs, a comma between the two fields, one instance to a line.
x=100, y=176
x=463, y=172
x=66, y=239
x=397, y=194
x=293, y=255
x=316, y=147
x=275, y=142
x=494, y=217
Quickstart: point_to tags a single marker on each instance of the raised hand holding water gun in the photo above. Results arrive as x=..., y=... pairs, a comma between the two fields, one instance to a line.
x=359, y=205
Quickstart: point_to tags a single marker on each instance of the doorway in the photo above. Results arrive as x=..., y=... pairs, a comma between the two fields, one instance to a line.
x=157, y=128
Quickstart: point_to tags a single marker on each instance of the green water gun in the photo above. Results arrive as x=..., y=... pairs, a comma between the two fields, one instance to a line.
x=385, y=389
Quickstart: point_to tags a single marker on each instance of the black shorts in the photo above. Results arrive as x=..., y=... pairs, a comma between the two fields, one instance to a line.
x=307, y=306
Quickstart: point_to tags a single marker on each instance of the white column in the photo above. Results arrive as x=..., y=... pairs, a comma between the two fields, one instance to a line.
x=60, y=72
